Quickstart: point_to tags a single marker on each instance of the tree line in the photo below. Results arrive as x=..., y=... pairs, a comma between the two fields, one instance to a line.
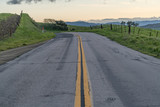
x=51, y=24
x=129, y=24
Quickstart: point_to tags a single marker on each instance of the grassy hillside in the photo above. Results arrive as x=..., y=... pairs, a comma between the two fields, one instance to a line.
x=144, y=40
x=4, y=16
x=27, y=33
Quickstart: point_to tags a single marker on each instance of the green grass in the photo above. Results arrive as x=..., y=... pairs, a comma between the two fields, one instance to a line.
x=142, y=42
x=4, y=16
x=78, y=28
x=27, y=33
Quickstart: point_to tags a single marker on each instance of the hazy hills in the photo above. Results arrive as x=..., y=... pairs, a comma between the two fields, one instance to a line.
x=153, y=26
x=82, y=23
x=124, y=19
x=141, y=21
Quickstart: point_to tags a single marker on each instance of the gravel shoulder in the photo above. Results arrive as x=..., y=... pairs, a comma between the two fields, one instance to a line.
x=11, y=54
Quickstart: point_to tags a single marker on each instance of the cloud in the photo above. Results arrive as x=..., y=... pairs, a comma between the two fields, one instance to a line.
x=29, y=1
x=104, y=1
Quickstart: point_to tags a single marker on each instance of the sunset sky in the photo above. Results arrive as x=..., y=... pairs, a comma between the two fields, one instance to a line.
x=84, y=9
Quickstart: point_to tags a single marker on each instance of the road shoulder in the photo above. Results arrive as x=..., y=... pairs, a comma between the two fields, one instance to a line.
x=11, y=54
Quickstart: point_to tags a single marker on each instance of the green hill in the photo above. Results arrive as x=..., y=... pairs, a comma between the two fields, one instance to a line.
x=26, y=33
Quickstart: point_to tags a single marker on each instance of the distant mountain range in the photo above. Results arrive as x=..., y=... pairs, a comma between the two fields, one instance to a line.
x=87, y=24
x=153, y=26
x=124, y=19
x=82, y=23
x=141, y=21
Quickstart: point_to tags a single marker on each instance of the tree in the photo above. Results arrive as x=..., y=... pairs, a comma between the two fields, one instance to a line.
x=62, y=23
x=51, y=24
x=135, y=25
x=50, y=21
x=122, y=24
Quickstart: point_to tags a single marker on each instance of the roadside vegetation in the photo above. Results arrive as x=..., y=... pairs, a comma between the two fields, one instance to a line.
x=9, y=25
x=4, y=16
x=26, y=33
x=53, y=25
x=143, y=40
x=128, y=34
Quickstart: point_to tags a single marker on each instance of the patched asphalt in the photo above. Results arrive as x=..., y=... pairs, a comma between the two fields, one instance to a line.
x=46, y=75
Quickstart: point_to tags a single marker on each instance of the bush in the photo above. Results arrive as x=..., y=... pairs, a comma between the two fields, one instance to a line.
x=51, y=24
x=9, y=26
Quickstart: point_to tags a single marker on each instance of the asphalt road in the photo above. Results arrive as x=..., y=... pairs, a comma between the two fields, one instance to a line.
x=47, y=75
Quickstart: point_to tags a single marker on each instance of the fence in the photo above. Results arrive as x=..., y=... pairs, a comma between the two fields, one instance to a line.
x=9, y=26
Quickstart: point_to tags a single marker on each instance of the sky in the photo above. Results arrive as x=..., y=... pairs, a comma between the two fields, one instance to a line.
x=75, y=10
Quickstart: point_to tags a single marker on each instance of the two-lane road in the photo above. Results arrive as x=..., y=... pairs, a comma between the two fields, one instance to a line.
x=81, y=70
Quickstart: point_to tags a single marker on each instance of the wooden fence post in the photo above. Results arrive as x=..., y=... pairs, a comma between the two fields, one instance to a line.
x=157, y=34
x=150, y=34
x=111, y=27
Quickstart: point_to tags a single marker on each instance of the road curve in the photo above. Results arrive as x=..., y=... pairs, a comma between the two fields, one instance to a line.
x=47, y=75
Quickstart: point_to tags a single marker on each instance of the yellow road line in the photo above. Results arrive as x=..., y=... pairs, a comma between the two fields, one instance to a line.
x=86, y=83
x=87, y=98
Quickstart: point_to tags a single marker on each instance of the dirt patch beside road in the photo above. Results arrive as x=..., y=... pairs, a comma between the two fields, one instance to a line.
x=11, y=54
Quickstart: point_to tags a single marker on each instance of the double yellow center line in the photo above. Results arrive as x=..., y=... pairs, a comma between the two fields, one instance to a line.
x=82, y=97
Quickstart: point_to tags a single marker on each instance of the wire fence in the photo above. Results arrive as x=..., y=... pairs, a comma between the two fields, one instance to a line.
x=9, y=26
